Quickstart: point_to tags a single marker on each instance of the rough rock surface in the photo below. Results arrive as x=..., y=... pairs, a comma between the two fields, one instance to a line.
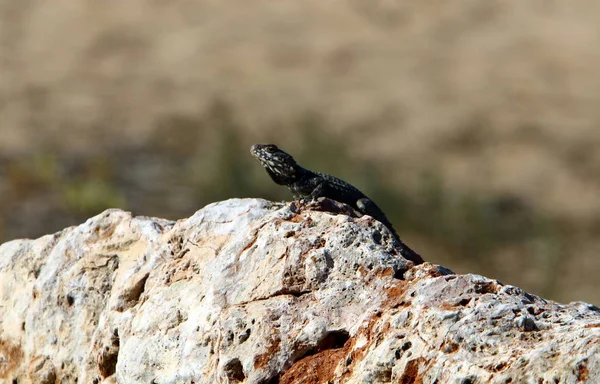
x=248, y=291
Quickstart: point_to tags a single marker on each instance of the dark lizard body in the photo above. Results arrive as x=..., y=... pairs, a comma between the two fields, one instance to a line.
x=305, y=184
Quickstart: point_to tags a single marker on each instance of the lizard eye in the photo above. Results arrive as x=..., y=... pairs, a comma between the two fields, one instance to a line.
x=270, y=148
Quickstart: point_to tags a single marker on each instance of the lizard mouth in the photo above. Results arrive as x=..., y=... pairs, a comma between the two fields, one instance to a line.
x=253, y=150
x=258, y=153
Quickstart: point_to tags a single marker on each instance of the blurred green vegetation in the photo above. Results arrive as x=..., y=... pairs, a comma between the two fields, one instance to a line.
x=191, y=161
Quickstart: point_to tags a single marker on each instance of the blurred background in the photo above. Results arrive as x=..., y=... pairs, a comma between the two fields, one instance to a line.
x=474, y=125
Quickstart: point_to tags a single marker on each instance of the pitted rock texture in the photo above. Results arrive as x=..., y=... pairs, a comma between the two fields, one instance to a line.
x=246, y=291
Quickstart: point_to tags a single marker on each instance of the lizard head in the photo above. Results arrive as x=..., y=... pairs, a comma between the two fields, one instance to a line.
x=280, y=165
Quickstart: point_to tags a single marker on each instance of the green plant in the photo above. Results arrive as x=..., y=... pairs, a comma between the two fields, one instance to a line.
x=86, y=197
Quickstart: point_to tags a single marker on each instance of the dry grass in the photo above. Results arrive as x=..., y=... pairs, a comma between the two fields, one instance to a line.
x=495, y=98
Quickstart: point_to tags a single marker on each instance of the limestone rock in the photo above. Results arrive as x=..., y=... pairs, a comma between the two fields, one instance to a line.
x=248, y=291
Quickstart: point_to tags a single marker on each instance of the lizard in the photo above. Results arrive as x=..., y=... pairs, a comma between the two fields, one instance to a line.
x=310, y=185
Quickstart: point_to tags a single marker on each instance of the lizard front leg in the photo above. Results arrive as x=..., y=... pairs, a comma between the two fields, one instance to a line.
x=309, y=190
x=315, y=193
x=318, y=191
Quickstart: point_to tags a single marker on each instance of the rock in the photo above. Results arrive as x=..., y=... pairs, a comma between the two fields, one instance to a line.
x=247, y=291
